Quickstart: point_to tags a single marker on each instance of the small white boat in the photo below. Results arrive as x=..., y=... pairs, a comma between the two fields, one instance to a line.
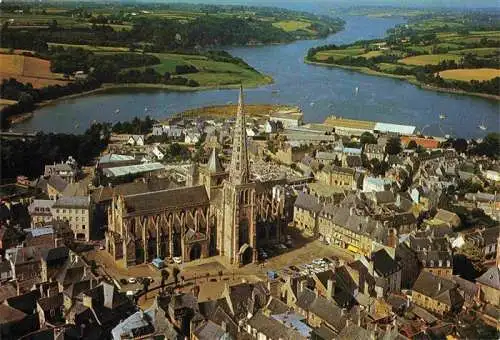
x=356, y=90
x=482, y=127
x=117, y=111
x=442, y=116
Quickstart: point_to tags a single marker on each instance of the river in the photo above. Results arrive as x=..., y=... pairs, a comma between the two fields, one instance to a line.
x=319, y=91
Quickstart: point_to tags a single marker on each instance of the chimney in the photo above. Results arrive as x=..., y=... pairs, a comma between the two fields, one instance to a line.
x=302, y=285
x=329, y=289
x=351, y=211
x=439, y=285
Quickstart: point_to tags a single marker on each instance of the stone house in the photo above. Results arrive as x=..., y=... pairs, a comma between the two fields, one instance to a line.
x=437, y=294
x=77, y=211
x=343, y=228
x=40, y=213
x=337, y=176
x=374, y=151
x=489, y=286
x=306, y=212
x=319, y=311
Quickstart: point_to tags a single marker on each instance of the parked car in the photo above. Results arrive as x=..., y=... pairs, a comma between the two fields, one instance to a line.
x=132, y=280
x=177, y=259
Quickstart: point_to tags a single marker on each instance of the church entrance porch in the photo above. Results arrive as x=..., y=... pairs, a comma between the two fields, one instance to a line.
x=246, y=254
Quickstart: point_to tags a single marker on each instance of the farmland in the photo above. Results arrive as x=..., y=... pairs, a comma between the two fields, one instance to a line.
x=429, y=59
x=210, y=73
x=479, y=74
x=443, y=50
x=29, y=70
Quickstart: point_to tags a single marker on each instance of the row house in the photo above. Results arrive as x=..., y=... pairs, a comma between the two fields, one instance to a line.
x=343, y=228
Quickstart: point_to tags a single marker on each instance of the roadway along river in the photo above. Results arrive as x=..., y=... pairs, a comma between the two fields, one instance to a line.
x=319, y=91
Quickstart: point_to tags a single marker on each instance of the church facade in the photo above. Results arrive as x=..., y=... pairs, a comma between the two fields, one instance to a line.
x=219, y=212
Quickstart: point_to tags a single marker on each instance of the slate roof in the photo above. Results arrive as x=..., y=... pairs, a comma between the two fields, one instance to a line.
x=208, y=331
x=73, y=202
x=437, y=288
x=468, y=287
x=57, y=182
x=308, y=202
x=276, y=306
x=383, y=264
x=167, y=199
x=272, y=328
x=10, y=315
x=325, y=309
x=363, y=225
x=354, y=332
x=26, y=303
x=55, y=254
x=491, y=278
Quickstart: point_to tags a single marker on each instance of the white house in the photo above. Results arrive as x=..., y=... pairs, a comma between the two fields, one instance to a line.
x=137, y=140
x=192, y=137
x=155, y=150
x=376, y=184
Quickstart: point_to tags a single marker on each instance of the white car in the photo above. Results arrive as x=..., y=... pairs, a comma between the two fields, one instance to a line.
x=132, y=280
x=177, y=259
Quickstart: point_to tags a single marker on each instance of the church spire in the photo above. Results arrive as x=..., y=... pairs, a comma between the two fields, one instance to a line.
x=238, y=172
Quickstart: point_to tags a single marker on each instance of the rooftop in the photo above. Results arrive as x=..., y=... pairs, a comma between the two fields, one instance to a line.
x=72, y=202
x=133, y=169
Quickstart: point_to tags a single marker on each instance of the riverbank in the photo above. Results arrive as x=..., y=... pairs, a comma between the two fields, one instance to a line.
x=110, y=88
x=411, y=79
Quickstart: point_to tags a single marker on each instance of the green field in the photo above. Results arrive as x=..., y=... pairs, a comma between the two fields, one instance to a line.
x=211, y=73
x=293, y=25
x=371, y=54
x=480, y=52
x=430, y=59
x=387, y=67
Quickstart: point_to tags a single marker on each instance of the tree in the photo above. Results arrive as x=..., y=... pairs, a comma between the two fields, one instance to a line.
x=460, y=145
x=175, y=272
x=164, y=277
x=368, y=138
x=393, y=146
x=145, y=287
x=412, y=145
x=490, y=146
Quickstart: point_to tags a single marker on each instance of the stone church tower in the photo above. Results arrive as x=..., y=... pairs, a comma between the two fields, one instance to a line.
x=237, y=238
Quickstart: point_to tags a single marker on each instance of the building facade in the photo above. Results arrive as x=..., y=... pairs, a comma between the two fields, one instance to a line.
x=77, y=211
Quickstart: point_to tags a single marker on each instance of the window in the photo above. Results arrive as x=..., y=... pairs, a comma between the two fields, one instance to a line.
x=64, y=211
x=83, y=226
x=76, y=218
x=57, y=211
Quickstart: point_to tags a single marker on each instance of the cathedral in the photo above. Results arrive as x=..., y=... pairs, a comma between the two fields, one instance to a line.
x=219, y=212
